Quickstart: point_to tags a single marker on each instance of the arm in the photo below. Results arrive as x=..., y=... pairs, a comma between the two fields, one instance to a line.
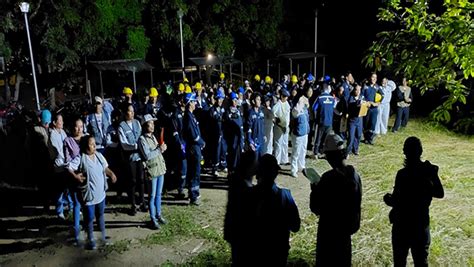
x=124, y=142
x=145, y=151
x=111, y=174
x=294, y=221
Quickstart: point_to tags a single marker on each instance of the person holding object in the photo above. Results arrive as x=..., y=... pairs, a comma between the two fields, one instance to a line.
x=415, y=185
x=336, y=199
x=155, y=168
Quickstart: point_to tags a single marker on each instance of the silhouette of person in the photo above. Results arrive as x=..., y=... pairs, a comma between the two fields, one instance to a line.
x=415, y=185
x=276, y=215
x=239, y=218
x=336, y=199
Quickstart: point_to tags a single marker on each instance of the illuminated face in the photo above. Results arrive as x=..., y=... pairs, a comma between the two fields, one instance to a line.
x=150, y=126
x=59, y=123
x=130, y=113
x=357, y=90
x=78, y=128
x=91, y=146
x=258, y=101
x=373, y=78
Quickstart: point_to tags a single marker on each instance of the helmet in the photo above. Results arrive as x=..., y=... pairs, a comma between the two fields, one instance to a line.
x=185, y=80
x=153, y=92
x=220, y=95
x=127, y=91
x=327, y=78
x=188, y=97
x=268, y=80
x=257, y=78
x=181, y=87
x=378, y=98
x=198, y=86
x=222, y=76
x=45, y=116
x=233, y=96
x=294, y=79
x=241, y=90
x=188, y=90
x=310, y=77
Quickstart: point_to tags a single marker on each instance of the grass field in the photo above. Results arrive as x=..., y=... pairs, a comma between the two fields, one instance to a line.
x=452, y=218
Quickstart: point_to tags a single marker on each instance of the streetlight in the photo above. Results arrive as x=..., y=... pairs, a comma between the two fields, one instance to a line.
x=315, y=40
x=25, y=8
x=180, y=15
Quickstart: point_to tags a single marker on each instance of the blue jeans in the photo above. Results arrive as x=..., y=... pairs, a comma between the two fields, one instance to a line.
x=89, y=218
x=76, y=215
x=355, y=133
x=156, y=187
x=63, y=198
x=402, y=118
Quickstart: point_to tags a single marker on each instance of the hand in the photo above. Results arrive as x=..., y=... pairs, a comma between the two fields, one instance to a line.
x=163, y=147
x=113, y=178
x=80, y=177
x=252, y=146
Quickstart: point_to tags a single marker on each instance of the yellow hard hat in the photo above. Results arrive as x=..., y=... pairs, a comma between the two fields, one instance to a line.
x=188, y=90
x=268, y=80
x=257, y=78
x=153, y=92
x=181, y=87
x=198, y=86
x=294, y=79
x=127, y=91
x=185, y=80
x=222, y=76
x=378, y=98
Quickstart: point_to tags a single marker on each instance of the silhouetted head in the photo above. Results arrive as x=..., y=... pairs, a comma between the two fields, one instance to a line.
x=248, y=165
x=412, y=149
x=267, y=169
x=334, y=150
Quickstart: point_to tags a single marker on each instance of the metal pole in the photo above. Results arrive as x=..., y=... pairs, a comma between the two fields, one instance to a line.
x=315, y=41
x=230, y=68
x=180, y=14
x=134, y=81
x=298, y=70
x=151, y=75
x=32, y=62
x=101, y=86
x=268, y=67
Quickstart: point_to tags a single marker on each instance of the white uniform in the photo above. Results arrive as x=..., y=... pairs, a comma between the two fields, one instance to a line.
x=281, y=111
x=384, y=108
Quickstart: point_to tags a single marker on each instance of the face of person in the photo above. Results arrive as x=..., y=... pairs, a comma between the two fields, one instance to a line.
x=309, y=93
x=357, y=90
x=373, y=78
x=234, y=102
x=192, y=105
x=384, y=81
x=91, y=146
x=220, y=101
x=150, y=126
x=78, y=128
x=59, y=123
x=98, y=107
x=130, y=113
x=258, y=102
x=350, y=78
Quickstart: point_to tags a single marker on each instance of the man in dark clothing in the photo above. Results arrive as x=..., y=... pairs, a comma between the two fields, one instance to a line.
x=276, y=215
x=336, y=199
x=239, y=218
x=415, y=185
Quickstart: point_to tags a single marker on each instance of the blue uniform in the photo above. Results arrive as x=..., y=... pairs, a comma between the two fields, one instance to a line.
x=323, y=109
x=218, y=145
x=370, y=120
x=355, y=124
x=256, y=131
x=194, y=143
x=234, y=136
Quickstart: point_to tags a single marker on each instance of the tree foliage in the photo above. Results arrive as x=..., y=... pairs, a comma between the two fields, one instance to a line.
x=433, y=47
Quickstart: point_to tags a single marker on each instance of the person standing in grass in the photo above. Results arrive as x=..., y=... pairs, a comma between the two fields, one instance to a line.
x=336, y=199
x=151, y=152
x=415, y=185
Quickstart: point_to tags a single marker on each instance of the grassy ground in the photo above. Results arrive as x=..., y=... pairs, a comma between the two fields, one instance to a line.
x=452, y=218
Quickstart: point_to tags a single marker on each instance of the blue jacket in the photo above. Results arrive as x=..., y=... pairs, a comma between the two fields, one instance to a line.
x=256, y=130
x=191, y=132
x=301, y=123
x=100, y=134
x=369, y=93
x=323, y=109
x=234, y=128
x=217, y=115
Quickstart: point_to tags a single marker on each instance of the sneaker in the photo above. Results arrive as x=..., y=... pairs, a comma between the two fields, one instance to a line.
x=195, y=202
x=181, y=195
x=162, y=220
x=154, y=225
x=356, y=153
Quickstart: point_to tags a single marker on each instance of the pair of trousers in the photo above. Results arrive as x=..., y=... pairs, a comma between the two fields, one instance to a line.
x=298, y=154
x=416, y=239
x=370, y=122
x=90, y=211
x=156, y=188
x=402, y=118
x=193, y=175
x=136, y=176
x=355, y=133
x=281, y=145
x=382, y=119
x=321, y=132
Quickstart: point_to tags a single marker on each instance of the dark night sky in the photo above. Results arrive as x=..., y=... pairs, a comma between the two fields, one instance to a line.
x=345, y=31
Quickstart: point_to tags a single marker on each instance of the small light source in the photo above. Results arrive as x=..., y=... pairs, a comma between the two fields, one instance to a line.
x=209, y=57
x=24, y=7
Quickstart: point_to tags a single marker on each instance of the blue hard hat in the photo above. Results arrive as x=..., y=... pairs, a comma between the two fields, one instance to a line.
x=233, y=96
x=189, y=97
x=220, y=95
x=45, y=117
x=285, y=92
x=327, y=78
x=310, y=77
x=241, y=90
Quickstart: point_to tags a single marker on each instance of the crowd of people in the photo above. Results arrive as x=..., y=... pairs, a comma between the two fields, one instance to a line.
x=166, y=138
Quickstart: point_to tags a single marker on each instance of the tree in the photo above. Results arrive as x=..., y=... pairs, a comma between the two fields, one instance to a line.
x=218, y=27
x=432, y=46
